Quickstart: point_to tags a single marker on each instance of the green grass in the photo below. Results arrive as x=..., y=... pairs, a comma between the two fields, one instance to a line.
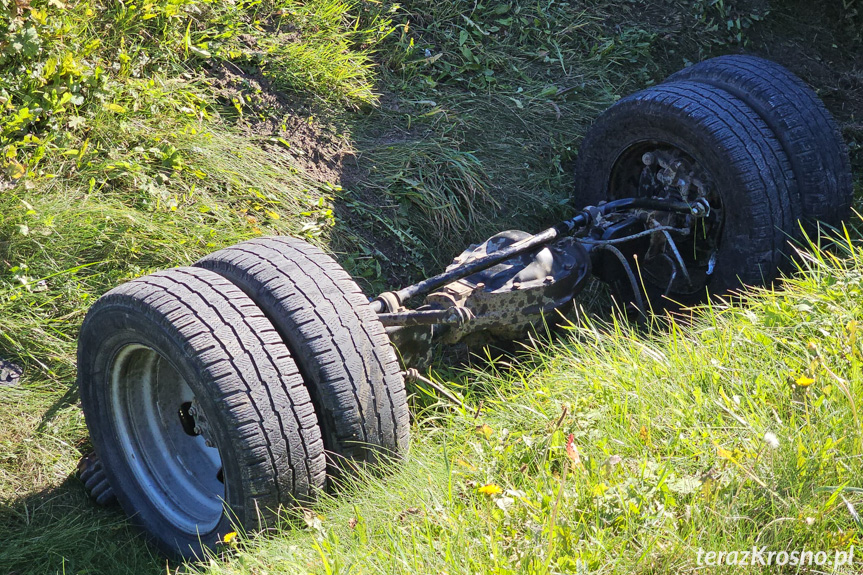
x=669, y=426
x=448, y=186
x=140, y=136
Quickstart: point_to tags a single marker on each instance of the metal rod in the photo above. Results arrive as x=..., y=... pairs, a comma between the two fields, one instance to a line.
x=636, y=293
x=544, y=237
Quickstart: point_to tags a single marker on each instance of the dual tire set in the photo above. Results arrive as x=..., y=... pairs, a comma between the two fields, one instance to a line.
x=774, y=157
x=218, y=394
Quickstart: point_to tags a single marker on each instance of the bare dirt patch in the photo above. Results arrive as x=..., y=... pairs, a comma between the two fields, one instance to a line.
x=281, y=122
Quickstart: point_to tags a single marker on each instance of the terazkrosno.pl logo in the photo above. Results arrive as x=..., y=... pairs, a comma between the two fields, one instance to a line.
x=761, y=556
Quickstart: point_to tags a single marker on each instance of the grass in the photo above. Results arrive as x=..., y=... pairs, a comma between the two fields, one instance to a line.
x=495, y=97
x=447, y=185
x=622, y=450
x=140, y=136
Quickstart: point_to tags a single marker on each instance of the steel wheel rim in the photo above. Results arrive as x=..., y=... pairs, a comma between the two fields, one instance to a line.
x=177, y=471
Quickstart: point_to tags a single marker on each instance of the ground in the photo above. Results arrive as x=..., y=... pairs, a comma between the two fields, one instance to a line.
x=138, y=138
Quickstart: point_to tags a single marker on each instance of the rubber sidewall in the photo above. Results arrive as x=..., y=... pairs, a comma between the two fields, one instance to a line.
x=755, y=213
x=105, y=333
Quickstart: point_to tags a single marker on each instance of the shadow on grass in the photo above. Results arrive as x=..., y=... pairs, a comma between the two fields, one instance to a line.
x=60, y=530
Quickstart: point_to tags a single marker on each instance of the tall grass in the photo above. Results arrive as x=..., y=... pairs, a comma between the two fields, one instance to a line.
x=620, y=450
x=117, y=160
x=449, y=186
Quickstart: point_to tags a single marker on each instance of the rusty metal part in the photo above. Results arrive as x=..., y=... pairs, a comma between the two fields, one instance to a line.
x=92, y=475
x=414, y=344
x=677, y=171
x=499, y=303
x=449, y=316
x=390, y=302
x=514, y=295
x=671, y=173
x=501, y=288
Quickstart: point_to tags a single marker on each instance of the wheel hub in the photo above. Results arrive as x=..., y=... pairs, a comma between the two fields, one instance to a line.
x=673, y=262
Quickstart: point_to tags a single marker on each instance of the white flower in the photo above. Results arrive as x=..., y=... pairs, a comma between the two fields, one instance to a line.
x=771, y=440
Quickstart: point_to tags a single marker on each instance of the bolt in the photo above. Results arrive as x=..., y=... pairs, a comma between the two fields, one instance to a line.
x=700, y=208
x=647, y=159
x=197, y=430
x=193, y=411
x=516, y=285
x=549, y=279
x=480, y=285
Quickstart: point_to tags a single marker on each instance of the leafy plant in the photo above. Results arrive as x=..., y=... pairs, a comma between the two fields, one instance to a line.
x=731, y=20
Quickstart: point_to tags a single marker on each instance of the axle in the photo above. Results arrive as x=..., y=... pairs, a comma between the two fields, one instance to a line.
x=390, y=302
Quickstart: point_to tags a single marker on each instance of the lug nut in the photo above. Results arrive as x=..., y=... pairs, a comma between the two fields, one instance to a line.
x=647, y=159
x=197, y=430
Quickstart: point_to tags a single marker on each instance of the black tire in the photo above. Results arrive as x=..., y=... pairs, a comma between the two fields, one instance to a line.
x=342, y=350
x=189, y=337
x=92, y=475
x=751, y=173
x=808, y=133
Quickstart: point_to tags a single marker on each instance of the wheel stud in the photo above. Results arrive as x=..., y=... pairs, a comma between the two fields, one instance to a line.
x=187, y=419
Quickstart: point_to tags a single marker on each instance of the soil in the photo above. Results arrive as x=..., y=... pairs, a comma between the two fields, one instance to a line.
x=270, y=113
x=318, y=142
x=812, y=39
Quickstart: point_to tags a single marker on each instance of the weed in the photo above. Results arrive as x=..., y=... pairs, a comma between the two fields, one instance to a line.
x=731, y=20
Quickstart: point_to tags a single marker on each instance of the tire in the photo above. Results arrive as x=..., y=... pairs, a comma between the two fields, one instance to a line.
x=154, y=348
x=92, y=475
x=342, y=350
x=808, y=133
x=748, y=167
